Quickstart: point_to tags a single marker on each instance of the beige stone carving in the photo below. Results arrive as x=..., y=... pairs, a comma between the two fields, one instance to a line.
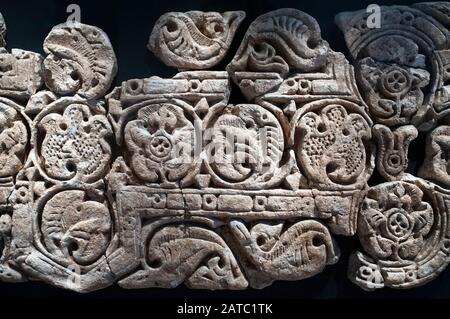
x=159, y=142
x=256, y=138
x=20, y=70
x=21, y=74
x=436, y=163
x=13, y=138
x=200, y=256
x=2, y=32
x=74, y=228
x=194, y=40
x=74, y=143
x=401, y=72
x=331, y=145
x=403, y=228
x=392, y=63
x=162, y=181
x=392, y=149
x=57, y=224
x=276, y=44
x=298, y=252
x=80, y=60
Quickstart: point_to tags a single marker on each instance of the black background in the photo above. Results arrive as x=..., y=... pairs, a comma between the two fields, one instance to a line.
x=128, y=24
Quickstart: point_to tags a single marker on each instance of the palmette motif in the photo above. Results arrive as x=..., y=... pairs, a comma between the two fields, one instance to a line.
x=163, y=182
x=194, y=39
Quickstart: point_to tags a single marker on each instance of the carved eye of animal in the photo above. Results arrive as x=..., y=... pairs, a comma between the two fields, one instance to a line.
x=214, y=27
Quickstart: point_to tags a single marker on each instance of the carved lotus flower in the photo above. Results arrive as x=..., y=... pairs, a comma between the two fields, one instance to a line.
x=394, y=221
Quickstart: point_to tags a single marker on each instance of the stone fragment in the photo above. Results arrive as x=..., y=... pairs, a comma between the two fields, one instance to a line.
x=276, y=44
x=80, y=60
x=296, y=253
x=392, y=62
x=436, y=163
x=75, y=143
x=161, y=142
x=54, y=152
x=244, y=146
x=13, y=138
x=74, y=228
x=398, y=226
x=21, y=74
x=200, y=256
x=392, y=149
x=332, y=146
x=163, y=182
x=194, y=40
x=2, y=32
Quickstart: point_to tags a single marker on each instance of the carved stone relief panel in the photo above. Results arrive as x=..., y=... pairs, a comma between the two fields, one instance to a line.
x=435, y=166
x=70, y=142
x=400, y=67
x=160, y=182
x=217, y=188
x=403, y=228
x=2, y=32
x=80, y=61
x=400, y=70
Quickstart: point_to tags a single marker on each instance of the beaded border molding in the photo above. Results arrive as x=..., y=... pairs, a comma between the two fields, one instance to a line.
x=161, y=182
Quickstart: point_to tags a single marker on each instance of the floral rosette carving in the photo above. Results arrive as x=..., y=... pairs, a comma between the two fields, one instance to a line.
x=393, y=85
x=394, y=221
x=161, y=143
x=74, y=228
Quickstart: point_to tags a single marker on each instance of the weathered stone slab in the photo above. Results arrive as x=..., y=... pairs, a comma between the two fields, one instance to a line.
x=162, y=181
